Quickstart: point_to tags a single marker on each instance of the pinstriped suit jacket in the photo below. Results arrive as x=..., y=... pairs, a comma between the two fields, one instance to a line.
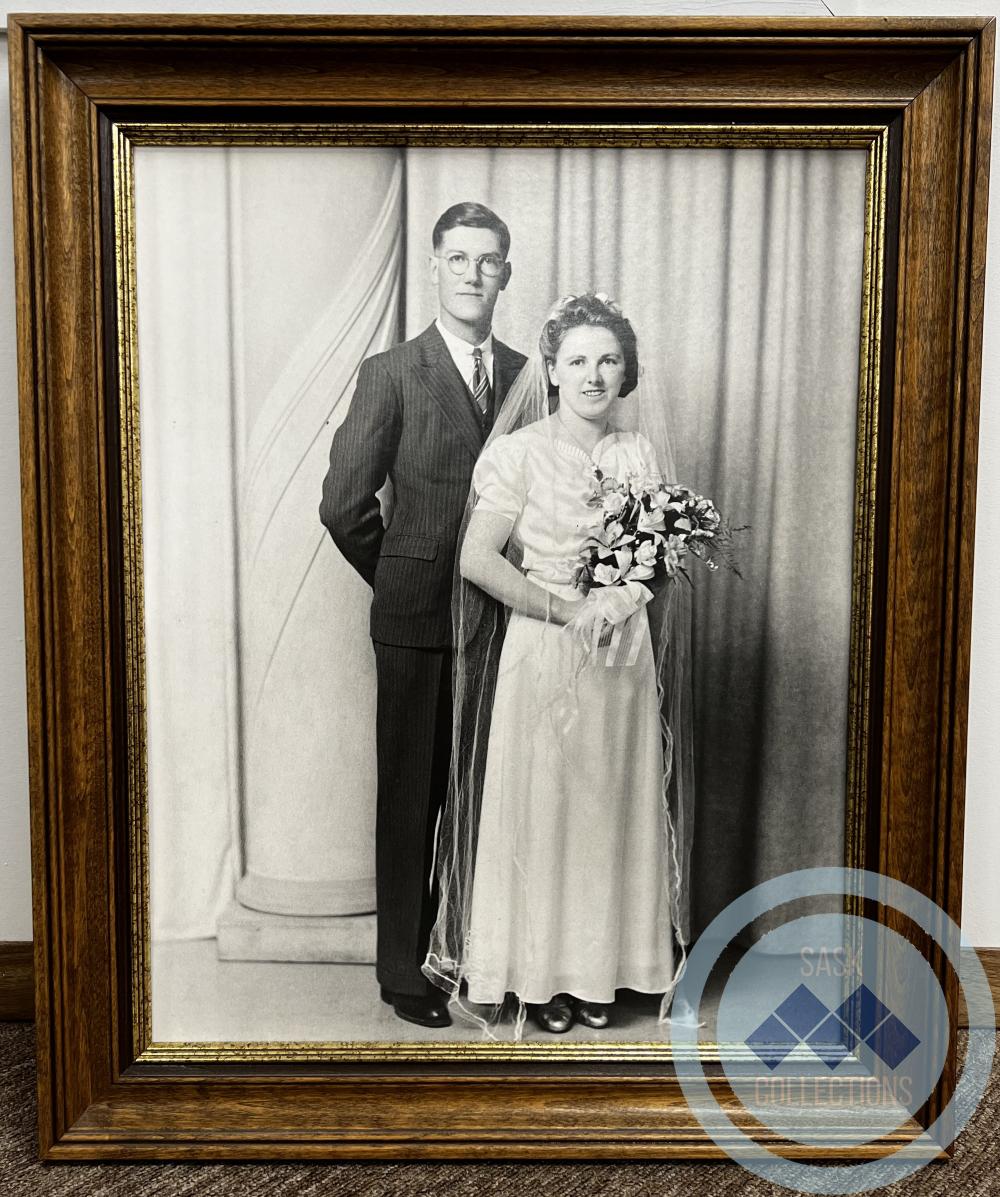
x=412, y=420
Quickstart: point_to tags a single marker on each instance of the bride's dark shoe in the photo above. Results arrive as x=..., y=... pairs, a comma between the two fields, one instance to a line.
x=593, y=1014
x=556, y=1015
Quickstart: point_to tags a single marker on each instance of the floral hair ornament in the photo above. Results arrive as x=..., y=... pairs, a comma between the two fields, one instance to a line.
x=611, y=304
x=601, y=296
x=559, y=305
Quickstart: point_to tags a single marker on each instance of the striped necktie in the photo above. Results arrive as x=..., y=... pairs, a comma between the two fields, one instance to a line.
x=480, y=386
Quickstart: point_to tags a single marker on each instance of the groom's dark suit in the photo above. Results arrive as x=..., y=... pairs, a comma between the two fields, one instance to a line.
x=413, y=420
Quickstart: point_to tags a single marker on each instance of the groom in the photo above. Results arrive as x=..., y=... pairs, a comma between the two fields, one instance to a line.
x=419, y=416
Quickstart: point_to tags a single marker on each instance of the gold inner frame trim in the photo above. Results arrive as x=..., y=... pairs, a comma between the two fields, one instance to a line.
x=125, y=138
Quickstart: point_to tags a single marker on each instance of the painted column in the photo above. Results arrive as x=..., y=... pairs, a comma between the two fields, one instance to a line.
x=313, y=298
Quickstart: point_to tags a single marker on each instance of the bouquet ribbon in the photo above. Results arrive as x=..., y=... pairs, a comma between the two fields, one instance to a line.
x=626, y=640
x=619, y=608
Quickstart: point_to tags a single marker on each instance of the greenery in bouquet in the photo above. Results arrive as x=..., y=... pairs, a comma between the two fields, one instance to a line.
x=649, y=528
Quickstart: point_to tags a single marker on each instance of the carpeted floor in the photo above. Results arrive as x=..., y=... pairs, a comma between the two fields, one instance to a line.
x=973, y=1172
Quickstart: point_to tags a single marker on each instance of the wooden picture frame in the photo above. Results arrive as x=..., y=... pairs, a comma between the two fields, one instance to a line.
x=915, y=93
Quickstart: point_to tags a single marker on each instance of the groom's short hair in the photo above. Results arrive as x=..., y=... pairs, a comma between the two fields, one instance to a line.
x=473, y=216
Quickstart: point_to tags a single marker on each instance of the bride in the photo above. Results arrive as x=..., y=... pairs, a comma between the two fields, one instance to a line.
x=564, y=842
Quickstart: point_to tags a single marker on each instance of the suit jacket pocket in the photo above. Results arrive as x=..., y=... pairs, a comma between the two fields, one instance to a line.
x=410, y=544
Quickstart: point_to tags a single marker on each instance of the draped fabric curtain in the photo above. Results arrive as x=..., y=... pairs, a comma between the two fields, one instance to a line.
x=260, y=673
x=741, y=272
x=308, y=685
x=187, y=437
x=266, y=276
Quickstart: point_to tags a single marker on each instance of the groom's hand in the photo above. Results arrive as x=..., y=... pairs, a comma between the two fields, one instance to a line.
x=361, y=456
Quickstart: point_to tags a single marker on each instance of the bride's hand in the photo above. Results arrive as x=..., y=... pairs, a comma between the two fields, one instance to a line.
x=586, y=620
x=564, y=611
x=595, y=618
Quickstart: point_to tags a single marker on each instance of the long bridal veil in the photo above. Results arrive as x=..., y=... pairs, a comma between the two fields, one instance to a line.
x=479, y=625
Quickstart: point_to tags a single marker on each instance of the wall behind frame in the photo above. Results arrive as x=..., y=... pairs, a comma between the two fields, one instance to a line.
x=981, y=918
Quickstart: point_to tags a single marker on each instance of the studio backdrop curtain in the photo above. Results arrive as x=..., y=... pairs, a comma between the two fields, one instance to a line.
x=741, y=272
x=187, y=440
x=265, y=277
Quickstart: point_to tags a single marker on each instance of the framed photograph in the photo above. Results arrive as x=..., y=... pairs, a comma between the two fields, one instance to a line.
x=495, y=493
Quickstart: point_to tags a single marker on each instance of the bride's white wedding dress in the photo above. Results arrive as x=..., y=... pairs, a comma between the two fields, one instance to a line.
x=570, y=890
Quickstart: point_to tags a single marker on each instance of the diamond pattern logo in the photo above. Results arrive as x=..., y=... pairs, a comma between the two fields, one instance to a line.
x=801, y=1011
x=770, y=1042
x=832, y=1041
x=863, y=1011
x=832, y=1035
x=892, y=1042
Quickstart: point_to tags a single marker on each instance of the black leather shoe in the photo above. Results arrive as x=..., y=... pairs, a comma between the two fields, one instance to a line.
x=556, y=1015
x=427, y=1011
x=593, y=1014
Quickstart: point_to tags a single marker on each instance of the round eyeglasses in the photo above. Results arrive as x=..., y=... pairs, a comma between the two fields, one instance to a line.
x=489, y=265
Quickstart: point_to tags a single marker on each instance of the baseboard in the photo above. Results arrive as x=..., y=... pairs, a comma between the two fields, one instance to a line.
x=17, y=985
x=990, y=959
x=17, y=990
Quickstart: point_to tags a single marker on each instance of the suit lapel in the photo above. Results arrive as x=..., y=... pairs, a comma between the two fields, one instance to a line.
x=443, y=383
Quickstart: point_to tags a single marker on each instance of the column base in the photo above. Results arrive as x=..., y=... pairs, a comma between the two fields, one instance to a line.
x=244, y=934
x=288, y=895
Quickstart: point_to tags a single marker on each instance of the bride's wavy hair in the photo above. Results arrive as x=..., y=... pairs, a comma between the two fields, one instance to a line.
x=596, y=310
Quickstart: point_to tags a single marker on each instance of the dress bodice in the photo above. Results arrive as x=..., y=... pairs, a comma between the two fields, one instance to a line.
x=541, y=481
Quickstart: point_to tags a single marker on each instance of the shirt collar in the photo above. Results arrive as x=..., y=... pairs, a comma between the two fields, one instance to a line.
x=459, y=348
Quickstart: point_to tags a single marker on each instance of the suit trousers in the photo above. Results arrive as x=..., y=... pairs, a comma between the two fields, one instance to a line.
x=413, y=744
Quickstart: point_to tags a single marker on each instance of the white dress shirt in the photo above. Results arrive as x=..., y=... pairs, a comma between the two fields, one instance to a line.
x=461, y=354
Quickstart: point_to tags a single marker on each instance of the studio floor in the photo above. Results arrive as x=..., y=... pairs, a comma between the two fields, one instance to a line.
x=197, y=997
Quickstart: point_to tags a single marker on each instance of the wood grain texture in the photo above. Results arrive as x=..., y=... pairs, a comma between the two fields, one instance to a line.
x=67, y=611
x=363, y=59
x=17, y=986
x=938, y=347
x=51, y=27
x=929, y=80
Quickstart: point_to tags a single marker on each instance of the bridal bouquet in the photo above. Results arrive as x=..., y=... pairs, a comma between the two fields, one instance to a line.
x=648, y=527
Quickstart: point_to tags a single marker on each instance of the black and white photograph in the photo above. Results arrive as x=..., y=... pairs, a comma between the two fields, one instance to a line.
x=498, y=544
